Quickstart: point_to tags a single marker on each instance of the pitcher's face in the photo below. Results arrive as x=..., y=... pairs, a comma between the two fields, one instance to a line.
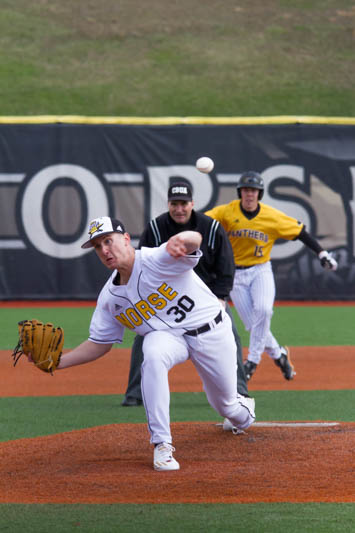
x=113, y=249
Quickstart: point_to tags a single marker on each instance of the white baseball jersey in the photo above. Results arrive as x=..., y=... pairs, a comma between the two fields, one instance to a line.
x=180, y=303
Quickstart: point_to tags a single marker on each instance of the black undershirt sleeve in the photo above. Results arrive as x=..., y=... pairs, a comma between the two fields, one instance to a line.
x=309, y=241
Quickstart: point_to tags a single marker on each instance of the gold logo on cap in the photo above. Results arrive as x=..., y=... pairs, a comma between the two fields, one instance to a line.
x=94, y=227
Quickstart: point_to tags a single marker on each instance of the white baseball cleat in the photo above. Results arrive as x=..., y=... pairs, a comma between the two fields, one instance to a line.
x=163, y=458
x=228, y=426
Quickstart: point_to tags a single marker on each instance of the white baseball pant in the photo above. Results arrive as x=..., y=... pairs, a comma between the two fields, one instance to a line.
x=213, y=353
x=253, y=296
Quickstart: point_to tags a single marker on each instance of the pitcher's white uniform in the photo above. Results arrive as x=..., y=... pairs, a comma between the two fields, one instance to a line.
x=180, y=318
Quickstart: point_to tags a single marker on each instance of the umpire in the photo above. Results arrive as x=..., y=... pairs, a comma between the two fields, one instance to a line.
x=216, y=268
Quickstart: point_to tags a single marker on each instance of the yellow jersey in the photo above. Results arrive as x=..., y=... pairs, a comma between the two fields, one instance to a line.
x=252, y=240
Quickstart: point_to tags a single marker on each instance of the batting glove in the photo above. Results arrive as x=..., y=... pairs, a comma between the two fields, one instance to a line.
x=327, y=261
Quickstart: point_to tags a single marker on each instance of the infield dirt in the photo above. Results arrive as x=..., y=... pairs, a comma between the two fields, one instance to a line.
x=318, y=368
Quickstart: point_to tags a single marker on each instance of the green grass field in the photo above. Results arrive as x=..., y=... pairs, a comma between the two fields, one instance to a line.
x=216, y=518
x=301, y=325
x=293, y=325
x=186, y=58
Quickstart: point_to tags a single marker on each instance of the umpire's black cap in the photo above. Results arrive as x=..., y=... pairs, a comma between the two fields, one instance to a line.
x=101, y=226
x=180, y=190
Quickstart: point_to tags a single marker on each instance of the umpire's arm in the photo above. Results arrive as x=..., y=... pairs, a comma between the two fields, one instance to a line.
x=148, y=238
x=224, y=266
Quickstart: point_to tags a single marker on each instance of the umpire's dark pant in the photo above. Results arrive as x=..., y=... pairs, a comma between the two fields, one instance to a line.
x=134, y=379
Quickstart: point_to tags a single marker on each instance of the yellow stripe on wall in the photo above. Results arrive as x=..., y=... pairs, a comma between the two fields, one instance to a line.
x=74, y=119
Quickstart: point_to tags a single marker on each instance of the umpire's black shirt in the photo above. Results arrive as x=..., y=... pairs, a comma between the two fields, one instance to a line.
x=216, y=266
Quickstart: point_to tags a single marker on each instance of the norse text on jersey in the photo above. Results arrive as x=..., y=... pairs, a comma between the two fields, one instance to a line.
x=143, y=310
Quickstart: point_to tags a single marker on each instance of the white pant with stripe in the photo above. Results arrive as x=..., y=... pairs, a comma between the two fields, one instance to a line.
x=253, y=296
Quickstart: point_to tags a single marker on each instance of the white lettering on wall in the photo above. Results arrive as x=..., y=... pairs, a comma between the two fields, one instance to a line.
x=97, y=205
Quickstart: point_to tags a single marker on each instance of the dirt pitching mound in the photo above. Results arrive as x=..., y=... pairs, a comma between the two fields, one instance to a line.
x=113, y=464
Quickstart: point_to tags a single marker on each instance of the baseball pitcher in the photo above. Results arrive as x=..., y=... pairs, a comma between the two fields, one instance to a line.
x=155, y=292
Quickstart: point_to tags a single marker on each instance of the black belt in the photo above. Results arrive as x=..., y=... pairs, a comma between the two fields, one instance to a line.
x=205, y=327
x=240, y=267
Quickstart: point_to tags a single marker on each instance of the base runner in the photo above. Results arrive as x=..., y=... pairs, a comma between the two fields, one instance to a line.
x=252, y=228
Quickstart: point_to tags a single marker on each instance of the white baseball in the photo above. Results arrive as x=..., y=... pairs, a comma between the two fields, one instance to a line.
x=205, y=164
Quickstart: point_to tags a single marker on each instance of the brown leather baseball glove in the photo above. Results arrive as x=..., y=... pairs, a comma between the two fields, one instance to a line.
x=43, y=341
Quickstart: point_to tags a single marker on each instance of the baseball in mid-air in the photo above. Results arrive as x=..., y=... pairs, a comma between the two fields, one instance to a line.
x=205, y=164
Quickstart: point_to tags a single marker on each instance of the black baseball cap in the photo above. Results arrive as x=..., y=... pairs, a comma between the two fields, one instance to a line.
x=101, y=226
x=180, y=190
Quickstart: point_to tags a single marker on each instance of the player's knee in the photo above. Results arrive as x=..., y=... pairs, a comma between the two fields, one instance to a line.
x=262, y=312
x=156, y=357
x=152, y=355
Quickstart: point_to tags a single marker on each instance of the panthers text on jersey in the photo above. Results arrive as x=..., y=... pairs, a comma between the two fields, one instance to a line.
x=252, y=239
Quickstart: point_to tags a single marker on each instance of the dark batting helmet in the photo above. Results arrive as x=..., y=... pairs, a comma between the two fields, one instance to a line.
x=253, y=180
